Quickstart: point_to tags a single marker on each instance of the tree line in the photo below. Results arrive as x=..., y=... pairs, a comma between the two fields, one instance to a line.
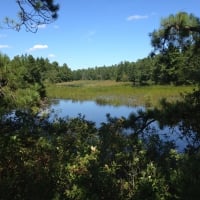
x=171, y=67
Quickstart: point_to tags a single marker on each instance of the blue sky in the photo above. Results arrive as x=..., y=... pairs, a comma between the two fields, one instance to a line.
x=91, y=33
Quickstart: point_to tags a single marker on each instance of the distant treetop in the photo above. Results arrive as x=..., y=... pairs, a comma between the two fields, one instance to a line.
x=179, y=30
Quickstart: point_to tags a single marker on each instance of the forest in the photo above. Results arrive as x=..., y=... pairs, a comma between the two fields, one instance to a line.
x=125, y=158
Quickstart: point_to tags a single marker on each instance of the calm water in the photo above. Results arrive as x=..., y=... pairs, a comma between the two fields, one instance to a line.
x=90, y=109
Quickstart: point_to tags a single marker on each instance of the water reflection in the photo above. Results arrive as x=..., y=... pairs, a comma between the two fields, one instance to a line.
x=91, y=110
x=97, y=113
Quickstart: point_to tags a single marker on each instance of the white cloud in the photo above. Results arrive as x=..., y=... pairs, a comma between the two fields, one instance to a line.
x=4, y=46
x=42, y=26
x=136, y=17
x=51, y=55
x=38, y=47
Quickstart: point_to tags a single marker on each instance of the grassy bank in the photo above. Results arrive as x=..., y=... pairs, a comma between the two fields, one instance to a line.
x=115, y=93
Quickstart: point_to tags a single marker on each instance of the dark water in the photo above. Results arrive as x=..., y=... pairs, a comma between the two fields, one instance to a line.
x=97, y=113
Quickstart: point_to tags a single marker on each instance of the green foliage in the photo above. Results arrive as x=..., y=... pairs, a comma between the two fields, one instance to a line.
x=97, y=73
x=180, y=30
x=21, y=83
x=123, y=158
x=23, y=79
x=177, y=41
x=171, y=66
x=183, y=113
x=72, y=159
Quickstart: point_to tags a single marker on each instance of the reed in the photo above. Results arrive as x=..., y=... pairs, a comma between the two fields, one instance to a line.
x=116, y=93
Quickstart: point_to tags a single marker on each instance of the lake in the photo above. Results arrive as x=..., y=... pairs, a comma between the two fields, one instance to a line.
x=90, y=109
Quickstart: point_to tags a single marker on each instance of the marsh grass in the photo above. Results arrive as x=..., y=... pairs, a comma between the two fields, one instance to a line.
x=116, y=93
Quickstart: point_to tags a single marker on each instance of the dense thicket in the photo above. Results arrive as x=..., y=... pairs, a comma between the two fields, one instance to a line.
x=72, y=159
x=23, y=79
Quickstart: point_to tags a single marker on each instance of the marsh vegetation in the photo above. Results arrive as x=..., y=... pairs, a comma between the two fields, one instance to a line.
x=116, y=93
